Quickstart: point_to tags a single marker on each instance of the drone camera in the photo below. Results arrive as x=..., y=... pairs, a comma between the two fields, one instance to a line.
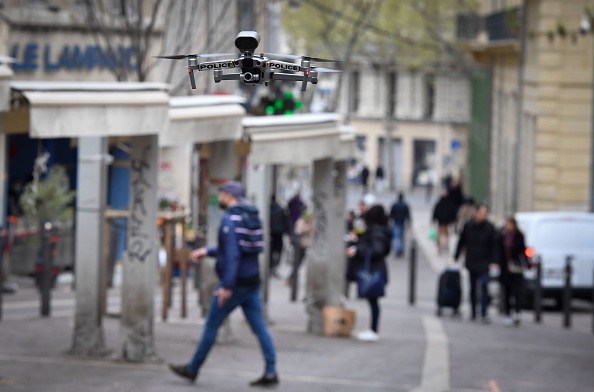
x=247, y=41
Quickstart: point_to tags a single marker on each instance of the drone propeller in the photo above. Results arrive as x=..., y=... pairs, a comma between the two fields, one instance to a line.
x=185, y=56
x=297, y=57
x=322, y=69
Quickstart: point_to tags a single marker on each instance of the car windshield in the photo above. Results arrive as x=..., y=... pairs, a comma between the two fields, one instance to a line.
x=565, y=234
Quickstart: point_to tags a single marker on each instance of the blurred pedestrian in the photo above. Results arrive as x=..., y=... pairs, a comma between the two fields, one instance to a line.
x=365, y=178
x=350, y=221
x=295, y=208
x=279, y=226
x=455, y=194
x=379, y=178
x=374, y=244
x=238, y=270
x=512, y=262
x=303, y=230
x=444, y=214
x=478, y=238
x=465, y=213
x=400, y=216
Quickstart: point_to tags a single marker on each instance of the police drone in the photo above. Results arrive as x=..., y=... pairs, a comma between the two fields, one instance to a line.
x=255, y=69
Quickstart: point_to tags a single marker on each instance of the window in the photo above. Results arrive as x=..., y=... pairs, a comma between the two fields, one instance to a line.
x=392, y=93
x=429, y=96
x=355, y=91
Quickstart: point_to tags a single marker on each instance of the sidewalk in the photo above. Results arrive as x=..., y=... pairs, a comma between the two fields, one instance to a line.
x=417, y=351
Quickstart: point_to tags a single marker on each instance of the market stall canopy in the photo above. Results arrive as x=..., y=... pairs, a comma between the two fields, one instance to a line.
x=78, y=109
x=203, y=119
x=296, y=139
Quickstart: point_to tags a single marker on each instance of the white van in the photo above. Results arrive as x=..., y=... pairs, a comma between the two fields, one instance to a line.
x=553, y=236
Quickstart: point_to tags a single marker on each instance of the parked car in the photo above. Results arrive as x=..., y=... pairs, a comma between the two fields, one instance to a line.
x=552, y=237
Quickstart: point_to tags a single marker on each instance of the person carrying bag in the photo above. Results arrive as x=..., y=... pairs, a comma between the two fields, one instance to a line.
x=371, y=272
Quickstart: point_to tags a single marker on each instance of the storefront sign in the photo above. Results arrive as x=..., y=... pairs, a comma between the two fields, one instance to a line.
x=32, y=56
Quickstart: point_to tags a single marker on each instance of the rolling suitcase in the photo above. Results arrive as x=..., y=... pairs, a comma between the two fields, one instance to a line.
x=449, y=291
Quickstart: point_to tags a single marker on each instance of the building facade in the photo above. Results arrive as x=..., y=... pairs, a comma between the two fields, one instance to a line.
x=540, y=106
x=423, y=115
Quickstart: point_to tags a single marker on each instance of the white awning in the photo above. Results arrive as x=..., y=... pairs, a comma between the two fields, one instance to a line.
x=297, y=139
x=203, y=119
x=77, y=109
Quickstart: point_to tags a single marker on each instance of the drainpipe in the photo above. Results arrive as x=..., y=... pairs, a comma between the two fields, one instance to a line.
x=520, y=108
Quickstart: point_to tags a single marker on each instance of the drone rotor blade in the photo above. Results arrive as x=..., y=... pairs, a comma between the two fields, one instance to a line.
x=283, y=56
x=175, y=56
x=322, y=69
x=209, y=55
x=322, y=60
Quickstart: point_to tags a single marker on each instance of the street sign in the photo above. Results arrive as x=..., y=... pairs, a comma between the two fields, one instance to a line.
x=455, y=144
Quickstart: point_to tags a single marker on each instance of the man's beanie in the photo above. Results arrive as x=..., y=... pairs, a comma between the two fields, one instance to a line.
x=233, y=188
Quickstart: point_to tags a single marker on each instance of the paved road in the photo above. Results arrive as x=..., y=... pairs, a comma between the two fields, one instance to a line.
x=417, y=352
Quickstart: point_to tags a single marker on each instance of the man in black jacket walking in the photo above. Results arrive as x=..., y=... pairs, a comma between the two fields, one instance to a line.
x=478, y=237
x=400, y=216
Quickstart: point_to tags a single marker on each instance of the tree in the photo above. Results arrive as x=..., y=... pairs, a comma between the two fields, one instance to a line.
x=404, y=33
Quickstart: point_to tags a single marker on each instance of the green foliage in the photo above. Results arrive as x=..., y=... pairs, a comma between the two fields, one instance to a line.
x=403, y=32
x=48, y=200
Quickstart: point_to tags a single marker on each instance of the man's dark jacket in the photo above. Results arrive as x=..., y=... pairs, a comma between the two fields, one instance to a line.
x=479, y=241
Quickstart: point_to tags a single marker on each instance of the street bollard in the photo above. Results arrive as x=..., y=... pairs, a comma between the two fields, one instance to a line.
x=46, y=272
x=538, y=291
x=412, y=272
x=567, y=293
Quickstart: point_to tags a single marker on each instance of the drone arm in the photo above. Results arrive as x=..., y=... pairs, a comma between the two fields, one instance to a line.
x=192, y=80
x=284, y=76
x=218, y=76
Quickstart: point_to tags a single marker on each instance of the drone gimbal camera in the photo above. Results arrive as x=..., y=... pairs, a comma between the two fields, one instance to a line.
x=255, y=69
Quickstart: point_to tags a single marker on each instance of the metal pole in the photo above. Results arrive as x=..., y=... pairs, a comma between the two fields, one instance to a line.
x=2, y=245
x=538, y=291
x=183, y=270
x=46, y=272
x=592, y=301
x=592, y=142
x=412, y=272
x=567, y=293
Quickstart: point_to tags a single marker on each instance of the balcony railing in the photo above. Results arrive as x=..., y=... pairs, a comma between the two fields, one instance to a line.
x=504, y=25
x=468, y=25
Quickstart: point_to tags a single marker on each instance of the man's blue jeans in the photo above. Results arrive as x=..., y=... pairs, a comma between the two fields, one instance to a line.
x=398, y=238
x=483, y=278
x=248, y=298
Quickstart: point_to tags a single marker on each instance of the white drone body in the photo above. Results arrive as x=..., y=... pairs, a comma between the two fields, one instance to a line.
x=255, y=69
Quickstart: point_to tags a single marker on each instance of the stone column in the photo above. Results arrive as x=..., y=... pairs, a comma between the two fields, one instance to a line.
x=336, y=218
x=140, y=261
x=87, y=336
x=320, y=254
x=221, y=168
x=259, y=189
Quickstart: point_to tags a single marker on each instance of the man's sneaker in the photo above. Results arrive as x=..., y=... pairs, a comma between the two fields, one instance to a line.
x=485, y=320
x=266, y=380
x=368, y=336
x=508, y=321
x=184, y=372
x=516, y=319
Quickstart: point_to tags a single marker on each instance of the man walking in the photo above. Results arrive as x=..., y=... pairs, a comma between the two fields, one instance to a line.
x=478, y=237
x=400, y=216
x=239, y=242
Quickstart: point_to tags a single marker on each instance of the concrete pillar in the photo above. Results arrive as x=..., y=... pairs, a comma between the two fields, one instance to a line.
x=87, y=337
x=259, y=189
x=140, y=261
x=321, y=253
x=221, y=168
x=336, y=216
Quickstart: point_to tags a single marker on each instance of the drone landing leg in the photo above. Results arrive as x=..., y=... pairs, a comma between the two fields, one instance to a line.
x=192, y=80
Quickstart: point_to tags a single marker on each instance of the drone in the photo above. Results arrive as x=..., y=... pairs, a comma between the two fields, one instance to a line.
x=255, y=69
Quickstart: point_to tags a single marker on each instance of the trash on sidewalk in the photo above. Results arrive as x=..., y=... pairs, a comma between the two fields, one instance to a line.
x=338, y=321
